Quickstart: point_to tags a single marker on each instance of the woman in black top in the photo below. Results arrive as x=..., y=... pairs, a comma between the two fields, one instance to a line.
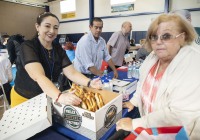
x=40, y=63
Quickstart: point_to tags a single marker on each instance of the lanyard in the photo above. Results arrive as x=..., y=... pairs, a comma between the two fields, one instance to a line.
x=151, y=87
x=50, y=63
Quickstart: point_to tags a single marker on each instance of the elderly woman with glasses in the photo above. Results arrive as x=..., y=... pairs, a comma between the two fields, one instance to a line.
x=168, y=90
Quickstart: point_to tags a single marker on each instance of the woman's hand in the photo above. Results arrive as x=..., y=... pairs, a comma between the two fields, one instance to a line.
x=128, y=105
x=96, y=83
x=124, y=124
x=69, y=98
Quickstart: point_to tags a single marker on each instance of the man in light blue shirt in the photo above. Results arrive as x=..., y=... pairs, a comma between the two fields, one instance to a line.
x=91, y=51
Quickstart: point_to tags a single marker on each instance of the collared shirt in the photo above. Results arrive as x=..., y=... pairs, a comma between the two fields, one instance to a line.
x=90, y=52
x=119, y=44
x=5, y=70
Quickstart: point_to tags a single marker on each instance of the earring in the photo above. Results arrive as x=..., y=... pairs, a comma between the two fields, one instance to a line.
x=38, y=33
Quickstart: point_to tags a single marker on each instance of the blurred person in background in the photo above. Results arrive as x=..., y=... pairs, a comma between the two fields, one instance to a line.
x=5, y=76
x=142, y=52
x=13, y=47
x=132, y=42
x=63, y=82
x=69, y=48
x=5, y=39
x=119, y=43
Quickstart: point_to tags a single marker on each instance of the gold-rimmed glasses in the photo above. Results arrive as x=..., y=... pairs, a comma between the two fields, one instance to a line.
x=165, y=37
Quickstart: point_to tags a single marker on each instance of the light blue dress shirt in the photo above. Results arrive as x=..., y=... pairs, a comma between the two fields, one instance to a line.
x=90, y=52
x=70, y=54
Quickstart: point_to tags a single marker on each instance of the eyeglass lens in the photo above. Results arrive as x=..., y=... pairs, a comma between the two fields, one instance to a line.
x=164, y=37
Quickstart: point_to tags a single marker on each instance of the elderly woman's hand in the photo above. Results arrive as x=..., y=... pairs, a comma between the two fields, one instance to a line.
x=124, y=124
x=69, y=98
x=96, y=83
x=128, y=105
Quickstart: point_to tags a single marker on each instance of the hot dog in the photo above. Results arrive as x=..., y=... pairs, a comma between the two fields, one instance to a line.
x=99, y=100
x=90, y=101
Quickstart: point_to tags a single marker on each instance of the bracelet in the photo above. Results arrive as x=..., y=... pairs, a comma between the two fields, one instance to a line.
x=58, y=96
x=88, y=84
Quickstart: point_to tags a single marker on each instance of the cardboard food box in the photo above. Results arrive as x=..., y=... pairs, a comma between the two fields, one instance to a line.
x=120, y=85
x=92, y=125
x=26, y=119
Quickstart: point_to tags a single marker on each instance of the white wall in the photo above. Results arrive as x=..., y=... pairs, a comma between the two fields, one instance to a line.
x=184, y=4
x=102, y=9
x=188, y=4
x=82, y=9
x=82, y=12
x=195, y=18
x=140, y=23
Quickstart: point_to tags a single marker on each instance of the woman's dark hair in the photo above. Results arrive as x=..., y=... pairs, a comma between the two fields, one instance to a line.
x=3, y=37
x=42, y=16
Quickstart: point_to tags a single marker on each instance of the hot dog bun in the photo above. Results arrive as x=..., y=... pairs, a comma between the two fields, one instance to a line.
x=90, y=101
x=99, y=100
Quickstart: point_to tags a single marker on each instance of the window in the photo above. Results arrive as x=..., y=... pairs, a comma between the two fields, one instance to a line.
x=122, y=5
x=121, y=2
x=67, y=6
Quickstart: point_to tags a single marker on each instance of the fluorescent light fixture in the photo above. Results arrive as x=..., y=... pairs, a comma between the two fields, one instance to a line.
x=67, y=6
x=34, y=3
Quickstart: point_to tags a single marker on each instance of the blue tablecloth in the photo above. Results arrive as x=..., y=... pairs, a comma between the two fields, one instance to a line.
x=57, y=131
x=49, y=134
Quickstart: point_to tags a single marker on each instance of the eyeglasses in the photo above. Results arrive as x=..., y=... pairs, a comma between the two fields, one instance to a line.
x=165, y=37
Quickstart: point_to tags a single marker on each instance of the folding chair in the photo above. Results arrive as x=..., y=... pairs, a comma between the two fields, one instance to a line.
x=5, y=105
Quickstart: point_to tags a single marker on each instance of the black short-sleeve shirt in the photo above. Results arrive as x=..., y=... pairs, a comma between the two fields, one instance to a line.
x=52, y=61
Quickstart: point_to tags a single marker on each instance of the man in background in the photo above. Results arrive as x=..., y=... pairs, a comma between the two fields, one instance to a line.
x=91, y=51
x=4, y=39
x=119, y=43
x=142, y=52
x=13, y=47
x=69, y=48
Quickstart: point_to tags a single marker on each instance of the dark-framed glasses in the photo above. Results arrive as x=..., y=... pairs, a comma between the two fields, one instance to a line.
x=165, y=37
